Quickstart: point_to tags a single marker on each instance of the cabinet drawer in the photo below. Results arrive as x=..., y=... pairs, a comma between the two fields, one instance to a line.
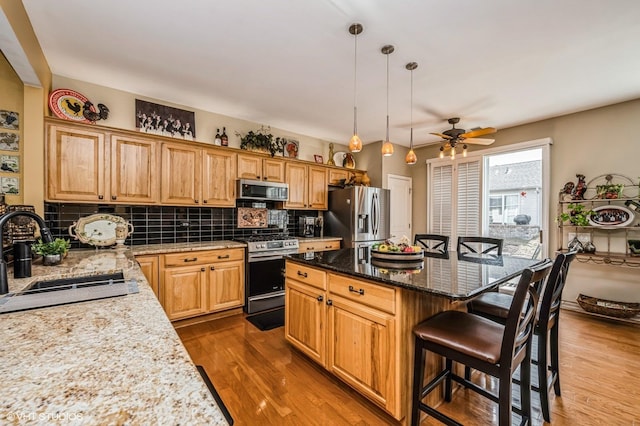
x=318, y=245
x=202, y=257
x=310, y=276
x=376, y=296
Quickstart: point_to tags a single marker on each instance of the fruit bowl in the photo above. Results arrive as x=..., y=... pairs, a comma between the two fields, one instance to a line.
x=397, y=256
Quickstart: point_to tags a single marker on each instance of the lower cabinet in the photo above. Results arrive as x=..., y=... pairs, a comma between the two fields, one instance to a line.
x=349, y=327
x=197, y=283
x=150, y=269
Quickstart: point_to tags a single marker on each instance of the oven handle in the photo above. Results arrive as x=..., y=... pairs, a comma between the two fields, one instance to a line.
x=263, y=258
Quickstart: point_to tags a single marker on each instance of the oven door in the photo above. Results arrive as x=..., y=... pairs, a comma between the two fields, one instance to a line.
x=264, y=282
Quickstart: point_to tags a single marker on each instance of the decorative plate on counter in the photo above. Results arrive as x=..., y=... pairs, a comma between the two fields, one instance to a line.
x=98, y=229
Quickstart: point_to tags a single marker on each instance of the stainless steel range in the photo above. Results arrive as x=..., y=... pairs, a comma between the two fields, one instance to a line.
x=264, y=285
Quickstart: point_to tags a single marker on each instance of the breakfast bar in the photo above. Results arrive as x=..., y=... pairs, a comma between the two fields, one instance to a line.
x=354, y=314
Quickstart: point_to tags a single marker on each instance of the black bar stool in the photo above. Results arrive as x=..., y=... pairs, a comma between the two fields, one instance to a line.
x=432, y=242
x=483, y=245
x=482, y=344
x=495, y=306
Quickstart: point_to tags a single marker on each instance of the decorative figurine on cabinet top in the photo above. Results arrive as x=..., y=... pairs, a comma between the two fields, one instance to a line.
x=580, y=188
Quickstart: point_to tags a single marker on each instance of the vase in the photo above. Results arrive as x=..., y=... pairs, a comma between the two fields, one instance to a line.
x=348, y=161
x=365, y=180
x=589, y=248
x=575, y=245
x=51, y=259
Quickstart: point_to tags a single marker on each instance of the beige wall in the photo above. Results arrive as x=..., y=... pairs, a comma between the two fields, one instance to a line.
x=12, y=99
x=379, y=167
x=594, y=142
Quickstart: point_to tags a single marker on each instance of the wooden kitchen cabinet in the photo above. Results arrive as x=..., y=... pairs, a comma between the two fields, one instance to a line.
x=150, y=269
x=350, y=328
x=317, y=245
x=307, y=186
x=134, y=170
x=202, y=282
x=77, y=164
x=195, y=176
x=338, y=175
x=259, y=168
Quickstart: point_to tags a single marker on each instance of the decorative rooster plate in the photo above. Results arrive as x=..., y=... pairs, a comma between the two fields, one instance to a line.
x=69, y=104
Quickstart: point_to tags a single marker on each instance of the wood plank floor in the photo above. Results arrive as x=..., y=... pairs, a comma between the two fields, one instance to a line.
x=263, y=381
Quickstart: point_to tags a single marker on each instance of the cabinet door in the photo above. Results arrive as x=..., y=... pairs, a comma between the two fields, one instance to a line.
x=135, y=170
x=362, y=349
x=296, y=176
x=181, y=174
x=226, y=285
x=149, y=266
x=249, y=166
x=218, y=178
x=318, y=195
x=305, y=317
x=185, y=292
x=335, y=176
x=273, y=170
x=77, y=165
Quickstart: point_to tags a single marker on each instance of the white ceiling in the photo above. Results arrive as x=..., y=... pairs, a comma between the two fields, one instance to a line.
x=290, y=63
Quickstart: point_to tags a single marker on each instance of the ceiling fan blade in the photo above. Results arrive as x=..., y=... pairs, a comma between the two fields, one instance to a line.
x=478, y=141
x=443, y=136
x=479, y=132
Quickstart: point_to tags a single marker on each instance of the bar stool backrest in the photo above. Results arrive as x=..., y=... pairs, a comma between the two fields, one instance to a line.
x=432, y=242
x=483, y=245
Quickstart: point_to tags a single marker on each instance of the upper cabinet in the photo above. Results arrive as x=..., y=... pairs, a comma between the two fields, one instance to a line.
x=91, y=166
x=197, y=176
x=307, y=186
x=76, y=164
x=259, y=168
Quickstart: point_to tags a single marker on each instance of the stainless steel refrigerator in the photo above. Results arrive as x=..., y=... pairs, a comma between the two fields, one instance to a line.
x=359, y=214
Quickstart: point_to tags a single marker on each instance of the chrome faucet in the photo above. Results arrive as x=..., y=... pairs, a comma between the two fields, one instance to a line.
x=45, y=234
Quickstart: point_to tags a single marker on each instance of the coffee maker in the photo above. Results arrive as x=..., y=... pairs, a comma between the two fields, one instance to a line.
x=306, y=226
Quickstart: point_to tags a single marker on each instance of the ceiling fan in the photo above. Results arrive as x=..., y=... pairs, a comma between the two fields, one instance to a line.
x=454, y=135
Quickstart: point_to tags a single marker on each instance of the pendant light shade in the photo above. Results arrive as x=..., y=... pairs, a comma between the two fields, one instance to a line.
x=387, y=146
x=411, y=157
x=355, y=144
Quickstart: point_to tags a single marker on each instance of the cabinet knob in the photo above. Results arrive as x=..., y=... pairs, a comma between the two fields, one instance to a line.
x=310, y=248
x=196, y=201
x=100, y=197
x=204, y=201
x=320, y=298
x=329, y=302
x=265, y=178
x=258, y=177
x=212, y=268
x=202, y=269
x=113, y=197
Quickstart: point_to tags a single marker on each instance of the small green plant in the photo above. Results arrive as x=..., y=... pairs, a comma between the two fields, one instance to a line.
x=57, y=246
x=578, y=214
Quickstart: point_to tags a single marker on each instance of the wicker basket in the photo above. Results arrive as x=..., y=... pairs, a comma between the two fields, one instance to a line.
x=608, y=307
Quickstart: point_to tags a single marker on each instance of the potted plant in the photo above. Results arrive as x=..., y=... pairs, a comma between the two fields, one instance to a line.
x=262, y=141
x=52, y=253
x=578, y=214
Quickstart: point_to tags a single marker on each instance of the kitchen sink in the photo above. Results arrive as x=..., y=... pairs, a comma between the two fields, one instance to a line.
x=73, y=282
x=63, y=291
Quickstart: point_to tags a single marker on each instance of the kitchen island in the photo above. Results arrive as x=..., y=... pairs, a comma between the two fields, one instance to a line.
x=355, y=319
x=109, y=361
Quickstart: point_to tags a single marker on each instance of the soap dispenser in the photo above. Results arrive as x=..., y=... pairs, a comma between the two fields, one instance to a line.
x=22, y=259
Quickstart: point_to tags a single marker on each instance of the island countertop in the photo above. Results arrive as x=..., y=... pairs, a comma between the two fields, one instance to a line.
x=109, y=361
x=448, y=275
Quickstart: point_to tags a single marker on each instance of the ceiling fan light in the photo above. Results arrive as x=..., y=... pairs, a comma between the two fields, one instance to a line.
x=464, y=150
x=411, y=157
x=355, y=144
x=442, y=152
x=387, y=149
x=453, y=153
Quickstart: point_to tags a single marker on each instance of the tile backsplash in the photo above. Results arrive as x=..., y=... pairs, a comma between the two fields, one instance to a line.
x=168, y=224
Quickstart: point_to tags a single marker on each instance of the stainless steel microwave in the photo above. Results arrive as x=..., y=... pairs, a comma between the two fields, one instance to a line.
x=259, y=190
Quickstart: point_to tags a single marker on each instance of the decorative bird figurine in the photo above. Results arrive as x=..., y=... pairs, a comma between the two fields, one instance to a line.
x=93, y=116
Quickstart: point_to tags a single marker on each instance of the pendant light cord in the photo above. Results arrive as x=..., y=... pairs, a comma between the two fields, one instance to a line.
x=411, y=115
x=388, y=97
x=355, y=87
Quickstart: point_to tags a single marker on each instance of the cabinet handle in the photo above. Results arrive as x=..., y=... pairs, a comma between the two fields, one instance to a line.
x=100, y=197
x=113, y=197
x=204, y=201
x=302, y=274
x=320, y=298
x=196, y=201
x=329, y=302
x=226, y=256
x=193, y=259
x=359, y=291
x=310, y=248
x=202, y=269
x=213, y=268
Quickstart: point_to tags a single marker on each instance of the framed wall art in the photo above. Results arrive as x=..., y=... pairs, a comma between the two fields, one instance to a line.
x=10, y=163
x=291, y=148
x=9, y=141
x=318, y=158
x=165, y=120
x=10, y=185
x=9, y=120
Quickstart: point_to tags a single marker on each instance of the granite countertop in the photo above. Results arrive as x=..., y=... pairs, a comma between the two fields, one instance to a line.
x=185, y=247
x=109, y=361
x=445, y=275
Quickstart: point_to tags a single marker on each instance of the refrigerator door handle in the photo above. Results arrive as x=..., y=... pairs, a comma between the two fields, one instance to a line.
x=375, y=213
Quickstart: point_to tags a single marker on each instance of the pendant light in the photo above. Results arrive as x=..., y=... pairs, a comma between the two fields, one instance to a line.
x=387, y=147
x=355, y=144
x=411, y=157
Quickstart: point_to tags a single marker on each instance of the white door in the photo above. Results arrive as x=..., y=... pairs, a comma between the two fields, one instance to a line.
x=400, y=200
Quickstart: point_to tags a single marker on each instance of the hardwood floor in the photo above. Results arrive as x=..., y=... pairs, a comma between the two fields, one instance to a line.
x=263, y=381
